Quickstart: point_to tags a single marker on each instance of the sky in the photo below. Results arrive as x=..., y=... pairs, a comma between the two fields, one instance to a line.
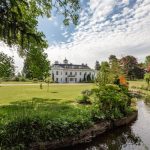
x=119, y=27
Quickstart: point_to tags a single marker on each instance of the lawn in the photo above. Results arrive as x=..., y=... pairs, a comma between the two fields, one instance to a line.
x=40, y=114
x=57, y=93
x=138, y=83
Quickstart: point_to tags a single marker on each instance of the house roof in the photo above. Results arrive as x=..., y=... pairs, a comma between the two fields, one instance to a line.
x=72, y=66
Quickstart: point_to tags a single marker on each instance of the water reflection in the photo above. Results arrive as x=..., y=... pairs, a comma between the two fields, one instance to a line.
x=122, y=138
x=133, y=137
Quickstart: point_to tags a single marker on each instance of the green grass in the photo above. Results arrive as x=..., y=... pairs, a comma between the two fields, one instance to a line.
x=35, y=114
x=17, y=82
x=57, y=93
x=137, y=83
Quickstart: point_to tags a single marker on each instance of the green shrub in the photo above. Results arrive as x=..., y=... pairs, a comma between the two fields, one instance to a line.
x=23, y=79
x=147, y=98
x=133, y=87
x=6, y=79
x=35, y=80
x=48, y=80
x=113, y=101
x=83, y=99
x=87, y=92
x=16, y=78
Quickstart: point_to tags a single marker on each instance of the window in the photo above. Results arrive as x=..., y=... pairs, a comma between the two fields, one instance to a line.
x=56, y=72
x=66, y=80
x=66, y=73
x=80, y=73
x=75, y=73
x=75, y=79
x=71, y=79
x=71, y=73
x=56, y=79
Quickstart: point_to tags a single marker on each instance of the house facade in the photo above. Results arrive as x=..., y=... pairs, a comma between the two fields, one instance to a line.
x=70, y=73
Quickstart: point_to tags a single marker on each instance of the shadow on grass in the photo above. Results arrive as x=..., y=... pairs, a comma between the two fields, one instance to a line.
x=54, y=92
x=38, y=105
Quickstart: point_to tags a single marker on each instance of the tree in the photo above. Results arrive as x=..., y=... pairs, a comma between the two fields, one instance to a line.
x=112, y=58
x=7, y=68
x=147, y=78
x=147, y=61
x=103, y=76
x=97, y=66
x=19, y=20
x=36, y=64
x=131, y=68
x=115, y=67
x=129, y=63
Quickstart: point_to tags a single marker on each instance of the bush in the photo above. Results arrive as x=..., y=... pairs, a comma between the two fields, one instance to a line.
x=133, y=87
x=48, y=80
x=87, y=92
x=35, y=80
x=113, y=101
x=23, y=79
x=6, y=79
x=16, y=78
x=83, y=99
x=145, y=88
x=147, y=98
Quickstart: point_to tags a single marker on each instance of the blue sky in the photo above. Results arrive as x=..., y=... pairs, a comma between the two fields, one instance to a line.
x=120, y=27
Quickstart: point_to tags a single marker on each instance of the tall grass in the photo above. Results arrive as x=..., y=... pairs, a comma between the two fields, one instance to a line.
x=23, y=123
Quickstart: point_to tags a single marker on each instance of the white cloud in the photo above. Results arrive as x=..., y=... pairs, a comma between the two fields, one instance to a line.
x=128, y=32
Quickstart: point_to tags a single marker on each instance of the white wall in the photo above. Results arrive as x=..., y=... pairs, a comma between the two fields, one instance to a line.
x=62, y=74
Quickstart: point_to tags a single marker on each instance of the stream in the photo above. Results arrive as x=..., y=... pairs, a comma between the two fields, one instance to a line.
x=135, y=136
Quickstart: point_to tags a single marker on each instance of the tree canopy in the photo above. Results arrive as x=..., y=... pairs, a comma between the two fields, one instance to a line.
x=36, y=64
x=147, y=61
x=7, y=68
x=19, y=20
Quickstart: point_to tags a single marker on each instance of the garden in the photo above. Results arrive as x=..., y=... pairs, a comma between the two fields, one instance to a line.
x=37, y=115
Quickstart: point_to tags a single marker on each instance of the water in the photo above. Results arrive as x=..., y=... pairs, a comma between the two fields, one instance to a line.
x=132, y=137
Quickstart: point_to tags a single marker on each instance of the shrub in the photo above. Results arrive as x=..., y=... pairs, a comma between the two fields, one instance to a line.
x=87, y=92
x=113, y=101
x=133, y=87
x=16, y=78
x=83, y=99
x=48, y=80
x=147, y=98
x=35, y=80
x=23, y=79
x=6, y=79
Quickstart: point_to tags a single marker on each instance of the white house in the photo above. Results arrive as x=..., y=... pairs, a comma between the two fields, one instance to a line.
x=70, y=73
